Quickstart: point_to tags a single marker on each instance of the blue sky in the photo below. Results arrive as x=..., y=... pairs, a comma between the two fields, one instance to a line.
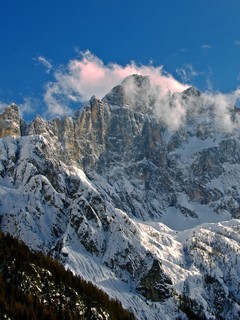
x=197, y=42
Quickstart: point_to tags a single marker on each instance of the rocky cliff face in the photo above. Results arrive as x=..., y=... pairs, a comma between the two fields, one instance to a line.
x=97, y=190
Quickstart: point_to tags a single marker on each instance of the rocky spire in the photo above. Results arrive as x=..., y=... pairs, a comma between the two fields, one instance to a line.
x=10, y=122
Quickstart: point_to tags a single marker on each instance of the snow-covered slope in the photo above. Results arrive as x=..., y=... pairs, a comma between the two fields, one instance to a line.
x=142, y=201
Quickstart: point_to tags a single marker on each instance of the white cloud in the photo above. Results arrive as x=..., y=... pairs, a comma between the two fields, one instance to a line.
x=28, y=106
x=217, y=109
x=45, y=62
x=187, y=73
x=237, y=42
x=176, y=53
x=206, y=46
x=209, y=84
x=57, y=100
x=89, y=76
x=170, y=112
x=3, y=105
x=222, y=106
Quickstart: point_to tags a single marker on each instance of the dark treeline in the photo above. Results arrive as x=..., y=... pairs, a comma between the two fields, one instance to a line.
x=34, y=286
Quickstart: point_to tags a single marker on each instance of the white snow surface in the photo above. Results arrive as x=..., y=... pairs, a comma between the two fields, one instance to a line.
x=168, y=246
x=32, y=217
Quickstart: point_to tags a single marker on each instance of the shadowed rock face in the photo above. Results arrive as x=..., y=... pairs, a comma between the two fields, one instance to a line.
x=155, y=285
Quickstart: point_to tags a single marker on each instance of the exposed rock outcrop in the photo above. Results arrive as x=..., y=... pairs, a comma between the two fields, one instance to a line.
x=10, y=122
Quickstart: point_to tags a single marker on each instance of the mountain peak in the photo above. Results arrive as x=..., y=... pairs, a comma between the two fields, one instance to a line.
x=10, y=121
x=137, y=79
x=133, y=92
x=11, y=110
x=192, y=91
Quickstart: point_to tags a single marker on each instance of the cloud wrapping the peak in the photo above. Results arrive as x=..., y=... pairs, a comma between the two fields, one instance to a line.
x=214, y=110
x=88, y=76
x=223, y=106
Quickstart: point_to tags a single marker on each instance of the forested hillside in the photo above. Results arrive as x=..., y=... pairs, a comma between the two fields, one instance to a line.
x=34, y=286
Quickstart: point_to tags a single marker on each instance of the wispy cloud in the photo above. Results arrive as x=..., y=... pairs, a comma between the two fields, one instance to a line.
x=237, y=42
x=88, y=75
x=206, y=46
x=187, y=73
x=28, y=106
x=215, y=110
x=222, y=107
x=45, y=63
x=3, y=105
x=176, y=53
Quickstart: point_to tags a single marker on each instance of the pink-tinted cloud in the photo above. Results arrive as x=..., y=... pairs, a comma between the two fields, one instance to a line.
x=88, y=76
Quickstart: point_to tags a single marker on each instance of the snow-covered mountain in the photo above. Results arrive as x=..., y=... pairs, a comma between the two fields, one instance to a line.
x=138, y=192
